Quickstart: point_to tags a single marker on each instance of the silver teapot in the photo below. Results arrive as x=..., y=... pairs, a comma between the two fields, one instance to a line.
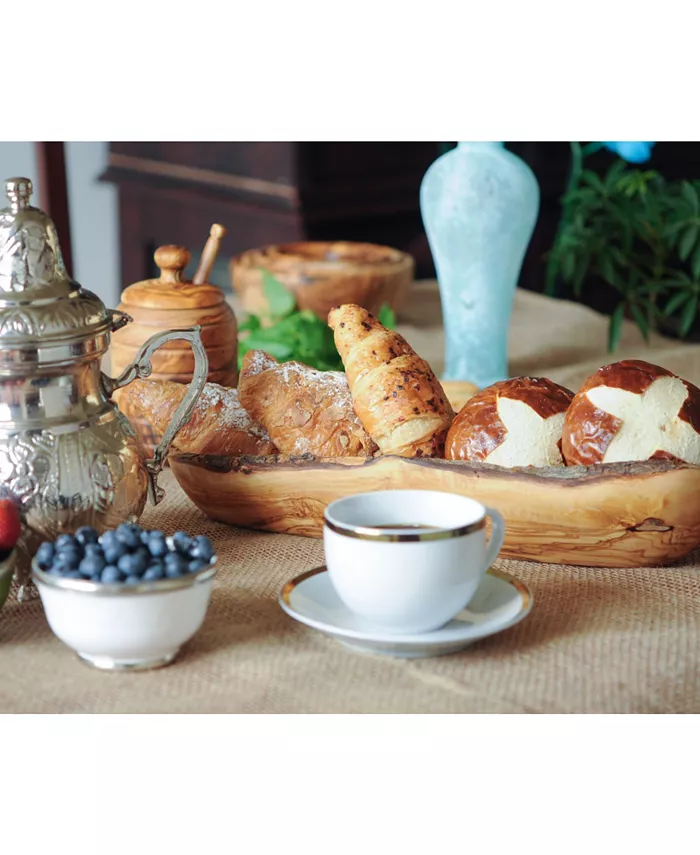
x=68, y=457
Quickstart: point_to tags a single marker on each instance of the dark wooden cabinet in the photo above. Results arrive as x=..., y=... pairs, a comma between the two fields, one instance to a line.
x=264, y=193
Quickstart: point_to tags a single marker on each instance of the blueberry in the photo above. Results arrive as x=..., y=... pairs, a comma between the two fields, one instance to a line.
x=181, y=542
x=44, y=555
x=114, y=551
x=96, y=577
x=72, y=574
x=197, y=565
x=201, y=548
x=132, y=580
x=129, y=535
x=67, y=561
x=158, y=547
x=92, y=564
x=86, y=534
x=133, y=564
x=108, y=537
x=110, y=575
x=175, y=564
x=153, y=574
x=64, y=541
x=94, y=549
x=129, y=539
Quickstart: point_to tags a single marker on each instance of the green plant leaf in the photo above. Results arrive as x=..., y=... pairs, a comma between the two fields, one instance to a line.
x=615, y=329
x=607, y=269
x=695, y=263
x=280, y=301
x=552, y=269
x=676, y=301
x=582, y=269
x=386, y=316
x=691, y=196
x=687, y=243
x=641, y=320
x=568, y=266
x=688, y=316
x=612, y=176
x=673, y=230
x=594, y=181
x=280, y=350
x=250, y=324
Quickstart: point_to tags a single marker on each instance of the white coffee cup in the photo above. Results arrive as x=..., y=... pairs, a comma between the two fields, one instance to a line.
x=409, y=580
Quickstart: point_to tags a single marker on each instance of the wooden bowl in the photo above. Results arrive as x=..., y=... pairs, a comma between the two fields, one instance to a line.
x=614, y=515
x=322, y=275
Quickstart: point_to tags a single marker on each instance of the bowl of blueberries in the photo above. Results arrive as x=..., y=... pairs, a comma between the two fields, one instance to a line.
x=127, y=599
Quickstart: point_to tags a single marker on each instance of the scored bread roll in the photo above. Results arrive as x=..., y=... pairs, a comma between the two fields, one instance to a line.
x=305, y=411
x=515, y=422
x=219, y=424
x=633, y=410
x=396, y=395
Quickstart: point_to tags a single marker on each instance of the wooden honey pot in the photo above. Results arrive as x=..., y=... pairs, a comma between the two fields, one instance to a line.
x=172, y=302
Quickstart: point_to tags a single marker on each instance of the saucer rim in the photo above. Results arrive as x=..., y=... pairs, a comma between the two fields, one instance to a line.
x=434, y=637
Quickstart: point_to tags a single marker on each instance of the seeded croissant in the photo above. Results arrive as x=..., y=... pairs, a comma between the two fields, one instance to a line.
x=398, y=399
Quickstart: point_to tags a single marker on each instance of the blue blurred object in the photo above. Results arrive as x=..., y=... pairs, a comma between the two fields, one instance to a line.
x=632, y=152
x=479, y=205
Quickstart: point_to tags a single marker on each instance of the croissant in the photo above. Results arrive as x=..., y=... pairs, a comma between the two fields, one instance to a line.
x=219, y=424
x=396, y=396
x=305, y=411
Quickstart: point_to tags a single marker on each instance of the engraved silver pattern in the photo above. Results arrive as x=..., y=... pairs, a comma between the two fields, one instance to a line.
x=68, y=457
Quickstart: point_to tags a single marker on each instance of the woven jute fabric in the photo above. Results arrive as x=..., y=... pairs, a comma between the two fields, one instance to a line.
x=596, y=641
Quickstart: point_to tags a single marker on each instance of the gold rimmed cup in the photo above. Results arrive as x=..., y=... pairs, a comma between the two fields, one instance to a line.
x=409, y=560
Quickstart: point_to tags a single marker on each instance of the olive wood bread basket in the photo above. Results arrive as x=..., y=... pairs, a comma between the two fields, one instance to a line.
x=612, y=515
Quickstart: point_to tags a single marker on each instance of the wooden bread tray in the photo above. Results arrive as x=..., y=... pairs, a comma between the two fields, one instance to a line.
x=614, y=515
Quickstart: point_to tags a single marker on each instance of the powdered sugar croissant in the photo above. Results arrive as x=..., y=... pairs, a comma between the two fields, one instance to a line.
x=396, y=395
x=305, y=411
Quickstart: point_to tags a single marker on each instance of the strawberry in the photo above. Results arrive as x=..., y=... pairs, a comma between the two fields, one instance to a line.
x=10, y=525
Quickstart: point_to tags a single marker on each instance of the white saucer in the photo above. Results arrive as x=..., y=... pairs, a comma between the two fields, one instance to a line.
x=500, y=602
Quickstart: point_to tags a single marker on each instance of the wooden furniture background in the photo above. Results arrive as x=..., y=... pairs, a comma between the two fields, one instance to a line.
x=52, y=192
x=267, y=192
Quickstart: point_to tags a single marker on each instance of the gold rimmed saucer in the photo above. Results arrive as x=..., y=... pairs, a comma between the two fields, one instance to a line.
x=500, y=602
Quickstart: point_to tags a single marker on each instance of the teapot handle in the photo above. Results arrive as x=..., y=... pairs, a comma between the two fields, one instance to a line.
x=141, y=369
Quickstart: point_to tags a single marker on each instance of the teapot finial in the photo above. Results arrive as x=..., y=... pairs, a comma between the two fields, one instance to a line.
x=19, y=192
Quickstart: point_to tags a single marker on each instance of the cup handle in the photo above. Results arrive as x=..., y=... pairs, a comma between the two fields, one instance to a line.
x=498, y=535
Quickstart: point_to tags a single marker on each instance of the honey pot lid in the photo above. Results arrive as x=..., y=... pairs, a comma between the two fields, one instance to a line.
x=171, y=290
x=39, y=301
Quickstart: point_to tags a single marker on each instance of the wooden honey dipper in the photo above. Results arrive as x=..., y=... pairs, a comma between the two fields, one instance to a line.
x=209, y=253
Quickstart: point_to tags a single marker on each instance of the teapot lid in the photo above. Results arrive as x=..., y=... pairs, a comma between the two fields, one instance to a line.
x=171, y=290
x=39, y=302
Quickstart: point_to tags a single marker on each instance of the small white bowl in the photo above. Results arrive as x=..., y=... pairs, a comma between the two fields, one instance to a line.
x=125, y=627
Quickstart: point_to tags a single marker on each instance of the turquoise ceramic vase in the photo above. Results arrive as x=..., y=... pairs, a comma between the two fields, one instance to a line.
x=479, y=204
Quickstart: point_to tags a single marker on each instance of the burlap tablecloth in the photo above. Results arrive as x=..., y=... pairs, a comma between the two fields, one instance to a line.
x=624, y=641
